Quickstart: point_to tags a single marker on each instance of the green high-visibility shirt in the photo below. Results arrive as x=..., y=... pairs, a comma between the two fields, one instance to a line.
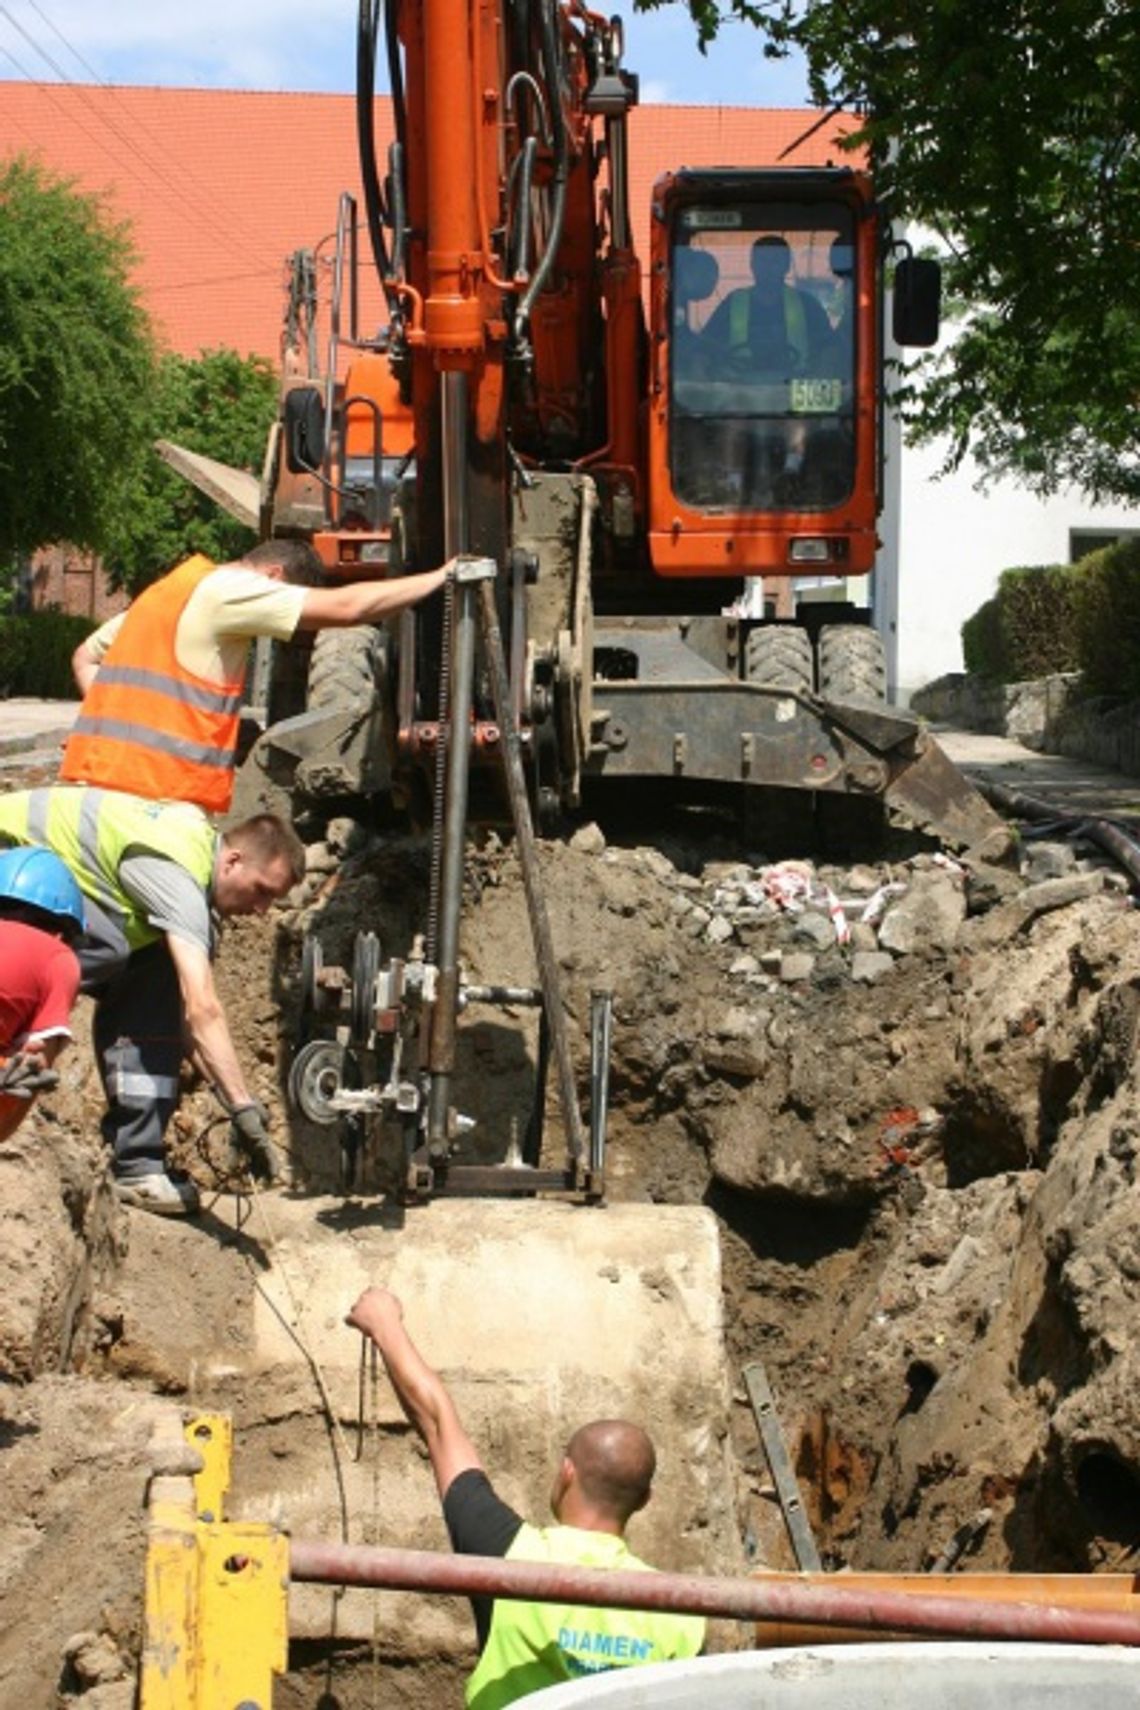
x=532, y=1645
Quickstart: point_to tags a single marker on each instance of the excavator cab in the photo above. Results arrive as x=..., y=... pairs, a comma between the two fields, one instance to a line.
x=762, y=444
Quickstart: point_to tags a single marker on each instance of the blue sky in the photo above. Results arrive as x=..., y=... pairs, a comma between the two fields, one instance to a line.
x=310, y=45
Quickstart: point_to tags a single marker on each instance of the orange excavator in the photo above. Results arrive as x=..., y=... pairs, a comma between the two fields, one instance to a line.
x=634, y=485
x=653, y=474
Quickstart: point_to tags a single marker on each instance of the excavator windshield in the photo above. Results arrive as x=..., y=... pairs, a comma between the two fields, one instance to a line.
x=762, y=360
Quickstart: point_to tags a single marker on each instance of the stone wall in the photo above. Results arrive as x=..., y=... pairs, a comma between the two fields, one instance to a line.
x=1045, y=714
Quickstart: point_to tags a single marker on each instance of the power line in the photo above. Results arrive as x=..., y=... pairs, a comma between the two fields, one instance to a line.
x=136, y=120
x=103, y=119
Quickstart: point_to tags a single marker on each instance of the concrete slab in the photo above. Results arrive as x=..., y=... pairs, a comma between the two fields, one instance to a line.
x=539, y=1315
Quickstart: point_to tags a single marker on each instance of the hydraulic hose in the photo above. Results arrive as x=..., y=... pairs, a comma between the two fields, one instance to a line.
x=550, y=68
x=366, y=134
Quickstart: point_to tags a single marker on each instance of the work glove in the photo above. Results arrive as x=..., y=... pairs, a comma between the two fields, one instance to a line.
x=24, y=1074
x=249, y=1132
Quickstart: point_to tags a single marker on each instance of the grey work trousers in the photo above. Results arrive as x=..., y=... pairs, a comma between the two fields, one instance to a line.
x=138, y=1039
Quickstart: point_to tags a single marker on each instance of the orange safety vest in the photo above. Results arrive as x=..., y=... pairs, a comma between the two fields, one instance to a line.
x=147, y=725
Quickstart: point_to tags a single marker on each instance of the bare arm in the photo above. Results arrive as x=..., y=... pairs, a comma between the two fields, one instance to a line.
x=420, y=1391
x=84, y=666
x=367, y=602
x=212, y=1046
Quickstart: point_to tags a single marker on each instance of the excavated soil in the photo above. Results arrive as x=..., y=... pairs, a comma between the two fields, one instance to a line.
x=908, y=1092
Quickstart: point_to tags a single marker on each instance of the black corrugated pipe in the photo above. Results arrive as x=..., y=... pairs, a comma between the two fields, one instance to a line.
x=1120, y=844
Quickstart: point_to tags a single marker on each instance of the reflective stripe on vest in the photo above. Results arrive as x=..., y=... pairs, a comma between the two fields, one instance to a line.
x=149, y=726
x=532, y=1645
x=91, y=831
x=795, y=322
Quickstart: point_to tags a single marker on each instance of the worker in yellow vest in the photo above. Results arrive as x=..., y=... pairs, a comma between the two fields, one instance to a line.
x=164, y=682
x=157, y=878
x=773, y=328
x=604, y=1478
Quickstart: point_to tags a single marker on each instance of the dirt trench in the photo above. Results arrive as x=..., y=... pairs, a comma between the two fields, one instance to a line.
x=908, y=1094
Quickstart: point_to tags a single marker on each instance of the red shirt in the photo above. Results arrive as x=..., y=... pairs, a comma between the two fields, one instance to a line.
x=39, y=982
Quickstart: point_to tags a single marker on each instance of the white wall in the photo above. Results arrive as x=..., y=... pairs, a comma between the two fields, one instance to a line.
x=945, y=543
x=953, y=542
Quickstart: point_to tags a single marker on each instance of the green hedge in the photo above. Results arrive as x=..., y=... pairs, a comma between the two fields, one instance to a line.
x=35, y=654
x=1108, y=620
x=1029, y=627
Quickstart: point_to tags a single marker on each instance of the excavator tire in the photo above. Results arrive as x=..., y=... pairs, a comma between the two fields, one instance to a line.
x=346, y=667
x=852, y=665
x=779, y=656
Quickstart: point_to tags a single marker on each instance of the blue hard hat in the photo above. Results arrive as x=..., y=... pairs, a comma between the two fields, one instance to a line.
x=40, y=879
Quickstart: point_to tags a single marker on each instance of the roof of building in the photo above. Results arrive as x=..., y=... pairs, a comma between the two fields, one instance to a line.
x=220, y=187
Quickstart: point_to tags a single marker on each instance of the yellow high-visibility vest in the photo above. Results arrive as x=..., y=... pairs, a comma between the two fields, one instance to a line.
x=531, y=1645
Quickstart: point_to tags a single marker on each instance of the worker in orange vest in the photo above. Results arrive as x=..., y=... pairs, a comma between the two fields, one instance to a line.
x=163, y=684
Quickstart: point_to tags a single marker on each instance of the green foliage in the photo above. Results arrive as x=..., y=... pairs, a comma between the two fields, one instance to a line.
x=1010, y=129
x=1082, y=617
x=983, y=644
x=219, y=404
x=76, y=363
x=1107, y=620
x=35, y=653
x=1066, y=617
x=1028, y=628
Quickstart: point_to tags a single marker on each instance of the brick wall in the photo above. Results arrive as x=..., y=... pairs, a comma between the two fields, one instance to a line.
x=73, y=581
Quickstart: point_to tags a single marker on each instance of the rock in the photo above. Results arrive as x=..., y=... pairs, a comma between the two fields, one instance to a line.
x=346, y=836
x=95, y=1659
x=928, y=917
x=589, y=839
x=867, y=966
x=814, y=928
x=863, y=937
x=319, y=858
x=744, y=1059
x=744, y=965
x=796, y=965
x=719, y=930
x=1047, y=861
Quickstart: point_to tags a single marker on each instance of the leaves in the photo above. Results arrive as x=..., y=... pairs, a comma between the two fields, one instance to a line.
x=76, y=363
x=217, y=403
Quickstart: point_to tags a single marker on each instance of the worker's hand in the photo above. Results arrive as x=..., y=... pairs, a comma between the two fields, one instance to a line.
x=25, y=1074
x=249, y=1128
x=374, y=1311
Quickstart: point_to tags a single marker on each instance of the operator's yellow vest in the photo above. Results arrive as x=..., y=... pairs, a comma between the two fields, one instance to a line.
x=91, y=830
x=795, y=322
x=532, y=1645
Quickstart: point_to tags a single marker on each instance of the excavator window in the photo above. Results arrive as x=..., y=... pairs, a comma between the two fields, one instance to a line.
x=762, y=357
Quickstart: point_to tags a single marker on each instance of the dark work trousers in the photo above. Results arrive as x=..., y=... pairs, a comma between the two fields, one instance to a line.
x=137, y=1035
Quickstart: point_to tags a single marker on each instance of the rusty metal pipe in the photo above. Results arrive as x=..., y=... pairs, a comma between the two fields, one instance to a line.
x=314, y=1562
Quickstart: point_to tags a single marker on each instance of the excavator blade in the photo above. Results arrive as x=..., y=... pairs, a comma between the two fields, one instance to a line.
x=929, y=792
x=236, y=490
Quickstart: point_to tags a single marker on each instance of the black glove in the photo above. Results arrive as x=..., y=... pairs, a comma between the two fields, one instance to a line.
x=249, y=1129
x=25, y=1074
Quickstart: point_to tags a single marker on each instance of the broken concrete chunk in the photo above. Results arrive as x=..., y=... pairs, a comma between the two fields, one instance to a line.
x=928, y=917
x=867, y=966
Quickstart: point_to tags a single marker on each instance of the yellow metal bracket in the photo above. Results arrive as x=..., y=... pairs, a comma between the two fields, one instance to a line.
x=216, y=1617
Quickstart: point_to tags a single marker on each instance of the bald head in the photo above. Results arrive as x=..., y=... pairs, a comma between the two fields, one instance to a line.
x=612, y=1464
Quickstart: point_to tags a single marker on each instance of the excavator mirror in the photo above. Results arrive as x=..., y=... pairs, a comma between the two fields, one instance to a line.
x=304, y=422
x=917, y=301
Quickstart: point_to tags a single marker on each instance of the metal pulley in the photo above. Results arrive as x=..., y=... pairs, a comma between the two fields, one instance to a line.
x=320, y=1070
x=365, y=973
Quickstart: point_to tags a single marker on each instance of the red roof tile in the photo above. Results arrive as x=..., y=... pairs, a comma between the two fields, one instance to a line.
x=221, y=186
